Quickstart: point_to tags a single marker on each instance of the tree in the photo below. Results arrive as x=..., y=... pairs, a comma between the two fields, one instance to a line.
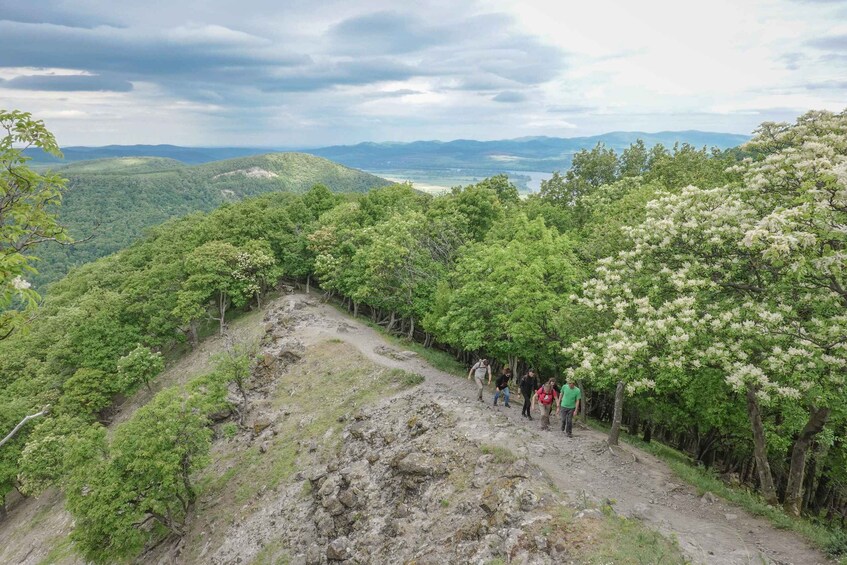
x=143, y=477
x=633, y=161
x=504, y=294
x=87, y=393
x=760, y=269
x=235, y=364
x=27, y=213
x=139, y=366
x=227, y=275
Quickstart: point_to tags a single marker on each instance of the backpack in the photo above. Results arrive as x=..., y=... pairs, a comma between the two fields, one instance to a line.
x=545, y=397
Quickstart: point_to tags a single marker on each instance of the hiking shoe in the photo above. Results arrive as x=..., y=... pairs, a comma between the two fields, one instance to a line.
x=530, y=417
x=570, y=435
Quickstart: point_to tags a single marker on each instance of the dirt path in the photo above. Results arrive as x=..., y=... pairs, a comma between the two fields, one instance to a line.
x=640, y=486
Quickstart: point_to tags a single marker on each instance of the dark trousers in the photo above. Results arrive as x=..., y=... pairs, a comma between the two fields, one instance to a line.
x=567, y=420
x=527, y=401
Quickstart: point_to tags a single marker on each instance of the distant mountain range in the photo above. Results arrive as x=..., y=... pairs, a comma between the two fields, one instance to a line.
x=523, y=154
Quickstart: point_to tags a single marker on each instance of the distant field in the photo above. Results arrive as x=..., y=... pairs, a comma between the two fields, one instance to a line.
x=437, y=181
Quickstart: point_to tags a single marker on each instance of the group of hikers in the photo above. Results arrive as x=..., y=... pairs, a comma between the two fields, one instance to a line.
x=535, y=395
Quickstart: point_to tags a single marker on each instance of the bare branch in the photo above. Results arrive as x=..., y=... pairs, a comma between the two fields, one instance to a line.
x=26, y=419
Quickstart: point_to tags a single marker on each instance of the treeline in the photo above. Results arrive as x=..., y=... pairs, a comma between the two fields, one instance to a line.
x=717, y=311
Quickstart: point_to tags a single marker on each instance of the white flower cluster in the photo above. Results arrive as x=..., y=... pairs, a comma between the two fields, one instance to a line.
x=750, y=279
x=20, y=284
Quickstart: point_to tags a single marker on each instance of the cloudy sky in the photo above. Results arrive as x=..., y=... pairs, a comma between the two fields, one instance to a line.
x=289, y=73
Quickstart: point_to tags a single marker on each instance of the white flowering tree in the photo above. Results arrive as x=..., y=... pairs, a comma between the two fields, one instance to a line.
x=748, y=279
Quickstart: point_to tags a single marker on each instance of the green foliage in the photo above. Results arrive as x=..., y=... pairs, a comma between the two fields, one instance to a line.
x=138, y=367
x=143, y=477
x=117, y=200
x=505, y=293
x=87, y=392
x=27, y=213
x=44, y=461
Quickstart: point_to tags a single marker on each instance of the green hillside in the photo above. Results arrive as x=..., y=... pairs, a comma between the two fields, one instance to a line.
x=110, y=202
x=122, y=165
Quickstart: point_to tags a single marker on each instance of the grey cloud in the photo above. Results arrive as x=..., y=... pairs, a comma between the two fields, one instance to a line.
x=52, y=12
x=510, y=97
x=828, y=85
x=570, y=109
x=342, y=73
x=229, y=69
x=485, y=45
x=393, y=93
x=68, y=83
x=385, y=32
x=837, y=43
x=167, y=52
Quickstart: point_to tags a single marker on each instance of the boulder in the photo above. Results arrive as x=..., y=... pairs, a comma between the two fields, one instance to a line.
x=338, y=549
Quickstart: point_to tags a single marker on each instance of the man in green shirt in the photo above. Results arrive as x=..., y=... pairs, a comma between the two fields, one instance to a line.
x=569, y=405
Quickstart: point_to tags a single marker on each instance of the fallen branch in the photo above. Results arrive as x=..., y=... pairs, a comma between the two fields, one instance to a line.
x=26, y=419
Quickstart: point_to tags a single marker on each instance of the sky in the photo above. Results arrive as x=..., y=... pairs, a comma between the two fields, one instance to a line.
x=298, y=73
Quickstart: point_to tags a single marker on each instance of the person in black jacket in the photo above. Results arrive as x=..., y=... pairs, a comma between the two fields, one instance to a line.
x=503, y=386
x=529, y=384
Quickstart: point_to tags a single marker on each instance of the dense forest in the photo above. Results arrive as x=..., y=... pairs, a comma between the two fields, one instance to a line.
x=110, y=202
x=703, y=288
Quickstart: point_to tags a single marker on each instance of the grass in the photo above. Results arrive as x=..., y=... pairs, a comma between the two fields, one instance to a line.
x=60, y=551
x=831, y=541
x=501, y=454
x=607, y=539
x=272, y=554
x=622, y=540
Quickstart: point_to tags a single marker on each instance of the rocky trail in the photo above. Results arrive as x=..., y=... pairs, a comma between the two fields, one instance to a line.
x=709, y=530
x=376, y=501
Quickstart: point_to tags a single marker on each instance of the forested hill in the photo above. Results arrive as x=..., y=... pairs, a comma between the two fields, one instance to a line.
x=112, y=201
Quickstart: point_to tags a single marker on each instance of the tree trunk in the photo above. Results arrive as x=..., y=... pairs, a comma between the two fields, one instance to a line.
x=223, y=303
x=391, y=322
x=811, y=483
x=647, y=436
x=193, y=338
x=243, y=405
x=632, y=424
x=355, y=309
x=794, y=491
x=584, y=406
x=615, y=431
x=822, y=493
x=412, y=328
x=760, y=450
x=308, y=283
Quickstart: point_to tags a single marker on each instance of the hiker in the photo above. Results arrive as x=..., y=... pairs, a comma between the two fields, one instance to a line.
x=528, y=386
x=479, y=370
x=502, y=386
x=546, y=397
x=569, y=405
